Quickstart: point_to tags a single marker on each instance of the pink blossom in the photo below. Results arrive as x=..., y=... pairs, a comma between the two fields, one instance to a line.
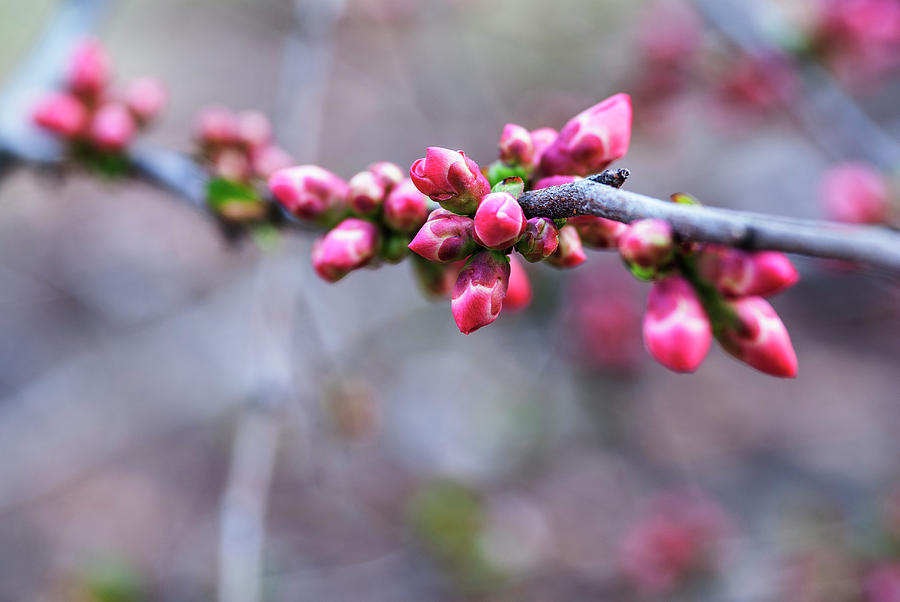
x=405, y=209
x=232, y=164
x=598, y=232
x=516, y=146
x=112, y=127
x=540, y=239
x=89, y=68
x=349, y=246
x=647, y=243
x=518, y=293
x=365, y=193
x=389, y=174
x=445, y=237
x=450, y=178
x=61, y=113
x=738, y=273
x=479, y=291
x=677, y=332
x=758, y=338
x=146, y=97
x=499, y=221
x=569, y=253
x=308, y=191
x=253, y=129
x=541, y=139
x=216, y=125
x=856, y=193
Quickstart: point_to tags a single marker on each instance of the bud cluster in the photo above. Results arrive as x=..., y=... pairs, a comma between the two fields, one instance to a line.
x=96, y=120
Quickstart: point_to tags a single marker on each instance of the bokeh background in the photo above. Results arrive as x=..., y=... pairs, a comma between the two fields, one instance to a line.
x=139, y=351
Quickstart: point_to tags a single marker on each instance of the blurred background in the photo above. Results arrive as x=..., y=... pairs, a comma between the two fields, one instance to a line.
x=176, y=410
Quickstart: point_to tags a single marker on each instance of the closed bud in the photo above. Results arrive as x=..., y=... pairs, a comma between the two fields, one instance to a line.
x=647, y=243
x=405, y=208
x=253, y=129
x=758, y=338
x=540, y=239
x=737, y=273
x=518, y=293
x=365, y=193
x=215, y=125
x=569, y=253
x=89, y=69
x=516, y=147
x=598, y=232
x=309, y=191
x=450, y=178
x=499, y=221
x=591, y=140
x=269, y=159
x=479, y=291
x=445, y=237
x=61, y=114
x=677, y=332
x=541, y=140
x=231, y=164
x=554, y=181
x=389, y=174
x=349, y=246
x=112, y=127
x=856, y=193
x=146, y=97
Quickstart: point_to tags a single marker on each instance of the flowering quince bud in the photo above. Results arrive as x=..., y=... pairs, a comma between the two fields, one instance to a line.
x=677, y=332
x=758, y=338
x=518, y=293
x=445, y=237
x=598, y=232
x=269, y=159
x=232, y=164
x=591, y=140
x=308, y=191
x=405, y=208
x=112, y=127
x=89, y=68
x=569, y=253
x=738, y=273
x=365, y=193
x=647, y=243
x=479, y=291
x=450, y=178
x=516, y=147
x=347, y=247
x=499, y=221
x=856, y=193
x=540, y=239
x=541, y=139
x=61, y=113
x=554, y=181
x=215, y=125
x=389, y=174
x=253, y=129
x=146, y=97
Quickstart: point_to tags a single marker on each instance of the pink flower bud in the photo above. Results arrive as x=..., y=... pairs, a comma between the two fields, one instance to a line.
x=479, y=291
x=253, y=129
x=232, y=164
x=450, y=178
x=647, y=243
x=389, y=174
x=347, y=247
x=598, y=232
x=112, y=127
x=518, y=293
x=269, y=159
x=89, y=68
x=856, y=193
x=554, y=181
x=591, y=140
x=308, y=191
x=499, y=221
x=61, y=113
x=516, y=147
x=445, y=237
x=540, y=240
x=758, y=338
x=738, y=273
x=215, y=125
x=541, y=140
x=146, y=97
x=365, y=193
x=405, y=208
x=677, y=332
x=569, y=253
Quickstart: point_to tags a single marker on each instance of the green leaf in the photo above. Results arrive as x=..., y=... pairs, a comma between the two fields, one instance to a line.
x=513, y=185
x=234, y=201
x=499, y=171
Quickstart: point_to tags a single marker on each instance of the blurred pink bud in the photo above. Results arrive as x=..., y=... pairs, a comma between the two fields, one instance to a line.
x=436, y=279
x=569, y=253
x=758, y=338
x=308, y=191
x=516, y=147
x=450, y=178
x=349, y=246
x=657, y=553
x=253, y=129
x=215, y=125
x=554, y=181
x=738, y=273
x=883, y=584
x=89, y=68
x=232, y=164
x=670, y=32
x=445, y=237
x=647, y=243
x=112, y=127
x=365, y=193
x=389, y=174
x=856, y=193
x=598, y=232
x=540, y=239
x=405, y=208
x=479, y=291
x=146, y=97
x=677, y=332
x=591, y=140
x=61, y=113
x=518, y=293
x=541, y=140
x=499, y=221
x=269, y=159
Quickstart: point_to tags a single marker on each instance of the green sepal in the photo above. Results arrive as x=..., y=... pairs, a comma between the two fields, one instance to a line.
x=234, y=201
x=395, y=247
x=499, y=171
x=513, y=185
x=559, y=222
